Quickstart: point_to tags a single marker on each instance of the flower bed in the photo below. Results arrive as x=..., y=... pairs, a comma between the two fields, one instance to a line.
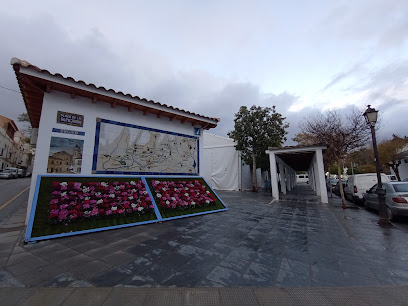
x=70, y=204
x=181, y=196
x=80, y=201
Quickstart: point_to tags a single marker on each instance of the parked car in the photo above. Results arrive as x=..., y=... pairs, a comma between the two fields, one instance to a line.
x=302, y=178
x=20, y=173
x=6, y=174
x=28, y=174
x=405, y=179
x=358, y=184
x=392, y=177
x=331, y=183
x=336, y=189
x=396, y=198
x=14, y=171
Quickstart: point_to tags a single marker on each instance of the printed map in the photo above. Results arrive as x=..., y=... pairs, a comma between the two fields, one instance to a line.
x=132, y=149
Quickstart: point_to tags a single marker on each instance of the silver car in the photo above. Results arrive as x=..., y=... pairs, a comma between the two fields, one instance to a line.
x=6, y=174
x=396, y=198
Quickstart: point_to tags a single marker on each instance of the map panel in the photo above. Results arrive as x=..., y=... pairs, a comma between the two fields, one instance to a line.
x=122, y=148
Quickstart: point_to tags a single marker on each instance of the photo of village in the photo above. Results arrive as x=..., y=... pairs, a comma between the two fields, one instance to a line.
x=65, y=155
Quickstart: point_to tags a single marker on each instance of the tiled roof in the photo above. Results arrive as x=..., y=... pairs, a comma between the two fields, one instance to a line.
x=149, y=105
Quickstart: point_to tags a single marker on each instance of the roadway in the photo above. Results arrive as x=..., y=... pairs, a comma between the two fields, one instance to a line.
x=13, y=196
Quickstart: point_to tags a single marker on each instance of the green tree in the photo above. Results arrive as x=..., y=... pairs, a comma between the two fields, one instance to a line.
x=341, y=133
x=256, y=129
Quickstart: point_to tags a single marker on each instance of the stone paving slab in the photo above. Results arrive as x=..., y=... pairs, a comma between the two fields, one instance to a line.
x=396, y=295
x=295, y=243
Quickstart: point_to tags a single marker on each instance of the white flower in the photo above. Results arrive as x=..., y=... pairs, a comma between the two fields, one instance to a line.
x=175, y=189
x=207, y=192
x=140, y=208
x=97, y=193
x=208, y=202
x=158, y=195
x=112, y=195
x=132, y=183
x=114, y=208
x=133, y=205
x=186, y=194
x=192, y=203
x=173, y=198
x=186, y=188
x=157, y=182
x=99, y=201
x=87, y=198
x=164, y=189
x=63, y=193
x=130, y=197
x=144, y=192
x=167, y=202
x=63, y=183
x=103, y=184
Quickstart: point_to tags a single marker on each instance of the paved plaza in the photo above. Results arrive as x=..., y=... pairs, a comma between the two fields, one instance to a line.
x=293, y=245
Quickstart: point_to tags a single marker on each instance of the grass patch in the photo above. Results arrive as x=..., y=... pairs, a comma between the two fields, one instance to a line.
x=166, y=213
x=41, y=227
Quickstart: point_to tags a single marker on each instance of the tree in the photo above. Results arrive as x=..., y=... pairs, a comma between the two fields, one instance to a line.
x=23, y=117
x=255, y=130
x=342, y=135
x=388, y=152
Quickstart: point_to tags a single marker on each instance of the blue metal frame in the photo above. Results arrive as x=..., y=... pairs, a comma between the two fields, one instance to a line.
x=156, y=209
x=96, y=148
x=68, y=132
x=159, y=218
x=33, y=209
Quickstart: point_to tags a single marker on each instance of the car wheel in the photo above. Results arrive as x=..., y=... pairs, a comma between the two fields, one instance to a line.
x=391, y=216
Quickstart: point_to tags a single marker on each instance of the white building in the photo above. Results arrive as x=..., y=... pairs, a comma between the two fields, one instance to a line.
x=70, y=113
x=403, y=163
x=13, y=150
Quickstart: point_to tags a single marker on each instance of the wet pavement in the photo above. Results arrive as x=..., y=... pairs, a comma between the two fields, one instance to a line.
x=297, y=242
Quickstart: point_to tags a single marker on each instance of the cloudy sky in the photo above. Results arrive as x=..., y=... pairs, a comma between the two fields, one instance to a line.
x=211, y=57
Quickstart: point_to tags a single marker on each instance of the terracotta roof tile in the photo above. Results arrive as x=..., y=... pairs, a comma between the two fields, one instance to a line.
x=26, y=64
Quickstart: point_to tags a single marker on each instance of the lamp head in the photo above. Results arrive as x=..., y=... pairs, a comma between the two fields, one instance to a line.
x=370, y=115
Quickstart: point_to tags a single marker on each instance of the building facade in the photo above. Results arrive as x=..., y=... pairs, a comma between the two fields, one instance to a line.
x=87, y=130
x=14, y=151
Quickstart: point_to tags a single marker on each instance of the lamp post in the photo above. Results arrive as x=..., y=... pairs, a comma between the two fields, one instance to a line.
x=370, y=116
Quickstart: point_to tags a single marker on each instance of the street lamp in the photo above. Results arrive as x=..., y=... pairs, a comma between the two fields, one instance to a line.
x=370, y=116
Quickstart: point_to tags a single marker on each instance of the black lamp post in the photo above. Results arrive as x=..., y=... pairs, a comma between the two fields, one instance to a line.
x=370, y=116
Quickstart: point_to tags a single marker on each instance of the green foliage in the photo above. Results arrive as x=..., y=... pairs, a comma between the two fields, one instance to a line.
x=256, y=129
x=333, y=169
x=360, y=169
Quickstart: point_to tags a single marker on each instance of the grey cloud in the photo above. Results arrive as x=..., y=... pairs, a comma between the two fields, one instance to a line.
x=341, y=76
x=138, y=72
x=383, y=22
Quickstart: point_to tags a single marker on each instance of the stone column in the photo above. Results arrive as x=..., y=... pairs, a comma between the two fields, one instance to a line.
x=282, y=177
x=274, y=177
x=321, y=177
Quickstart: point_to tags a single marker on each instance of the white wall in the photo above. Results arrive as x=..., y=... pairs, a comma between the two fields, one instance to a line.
x=222, y=163
x=56, y=101
x=402, y=169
